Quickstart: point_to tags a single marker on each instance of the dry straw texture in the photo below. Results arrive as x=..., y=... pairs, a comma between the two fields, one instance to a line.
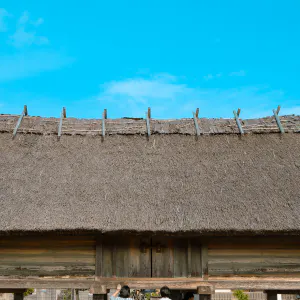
x=171, y=183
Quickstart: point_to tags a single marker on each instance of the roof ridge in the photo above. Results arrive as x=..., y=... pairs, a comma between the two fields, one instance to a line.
x=148, y=126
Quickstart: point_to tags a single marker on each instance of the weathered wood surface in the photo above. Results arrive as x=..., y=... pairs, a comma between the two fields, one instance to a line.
x=254, y=257
x=173, y=259
x=253, y=283
x=45, y=256
x=72, y=126
x=122, y=257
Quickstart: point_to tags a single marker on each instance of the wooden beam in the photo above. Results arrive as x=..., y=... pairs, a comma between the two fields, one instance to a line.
x=12, y=291
x=197, y=112
x=98, y=289
x=149, y=112
x=276, y=112
x=196, y=124
x=189, y=258
x=204, y=261
x=271, y=295
x=205, y=289
x=148, y=124
x=99, y=255
x=24, y=113
x=236, y=116
x=62, y=116
x=251, y=283
x=104, y=116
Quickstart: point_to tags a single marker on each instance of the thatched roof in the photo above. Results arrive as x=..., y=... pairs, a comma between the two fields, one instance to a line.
x=169, y=183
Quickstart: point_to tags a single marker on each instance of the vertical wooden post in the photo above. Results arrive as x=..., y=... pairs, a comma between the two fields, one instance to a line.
x=236, y=116
x=189, y=258
x=18, y=296
x=276, y=112
x=104, y=116
x=271, y=295
x=196, y=124
x=204, y=261
x=62, y=116
x=77, y=294
x=148, y=116
x=99, y=253
x=205, y=291
x=73, y=294
x=24, y=113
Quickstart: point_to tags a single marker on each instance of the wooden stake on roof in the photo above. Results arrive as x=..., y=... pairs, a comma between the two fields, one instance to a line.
x=276, y=112
x=148, y=116
x=24, y=113
x=195, y=117
x=236, y=116
x=62, y=116
x=104, y=116
x=149, y=112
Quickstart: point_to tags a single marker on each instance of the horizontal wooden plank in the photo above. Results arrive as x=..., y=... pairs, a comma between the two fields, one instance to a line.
x=45, y=253
x=253, y=283
x=47, y=270
x=258, y=241
x=254, y=252
x=62, y=242
x=254, y=245
x=255, y=259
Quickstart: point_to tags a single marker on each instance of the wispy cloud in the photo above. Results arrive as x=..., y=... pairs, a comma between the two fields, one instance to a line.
x=29, y=64
x=26, y=32
x=170, y=98
x=3, y=15
x=231, y=74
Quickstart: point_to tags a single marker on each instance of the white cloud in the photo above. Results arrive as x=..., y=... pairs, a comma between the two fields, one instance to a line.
x=231, y=74
x=29, y=64
x=26, y=32
x=169, y=98
x=3, y=15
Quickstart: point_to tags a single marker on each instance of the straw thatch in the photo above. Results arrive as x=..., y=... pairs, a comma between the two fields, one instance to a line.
x=171, y=183
x=127, y=126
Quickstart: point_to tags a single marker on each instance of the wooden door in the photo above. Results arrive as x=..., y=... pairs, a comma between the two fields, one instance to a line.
x=124, y=256
x=176, y=257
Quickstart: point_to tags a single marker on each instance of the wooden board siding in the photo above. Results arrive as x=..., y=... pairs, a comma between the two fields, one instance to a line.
x=47, y=256
x=254, y=257
x=122, y=257
x=173, y=260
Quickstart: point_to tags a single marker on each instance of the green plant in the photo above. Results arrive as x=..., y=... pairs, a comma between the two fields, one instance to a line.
x=28, y=292
x=240, y=295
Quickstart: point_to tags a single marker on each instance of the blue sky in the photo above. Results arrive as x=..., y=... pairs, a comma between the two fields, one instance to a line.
x=173, y=56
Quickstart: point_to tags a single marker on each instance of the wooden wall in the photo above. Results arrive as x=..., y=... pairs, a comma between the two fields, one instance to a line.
x=137, y=256
x=254, y=256
x=123, y=257
x=47, y=256
x=178, y=257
